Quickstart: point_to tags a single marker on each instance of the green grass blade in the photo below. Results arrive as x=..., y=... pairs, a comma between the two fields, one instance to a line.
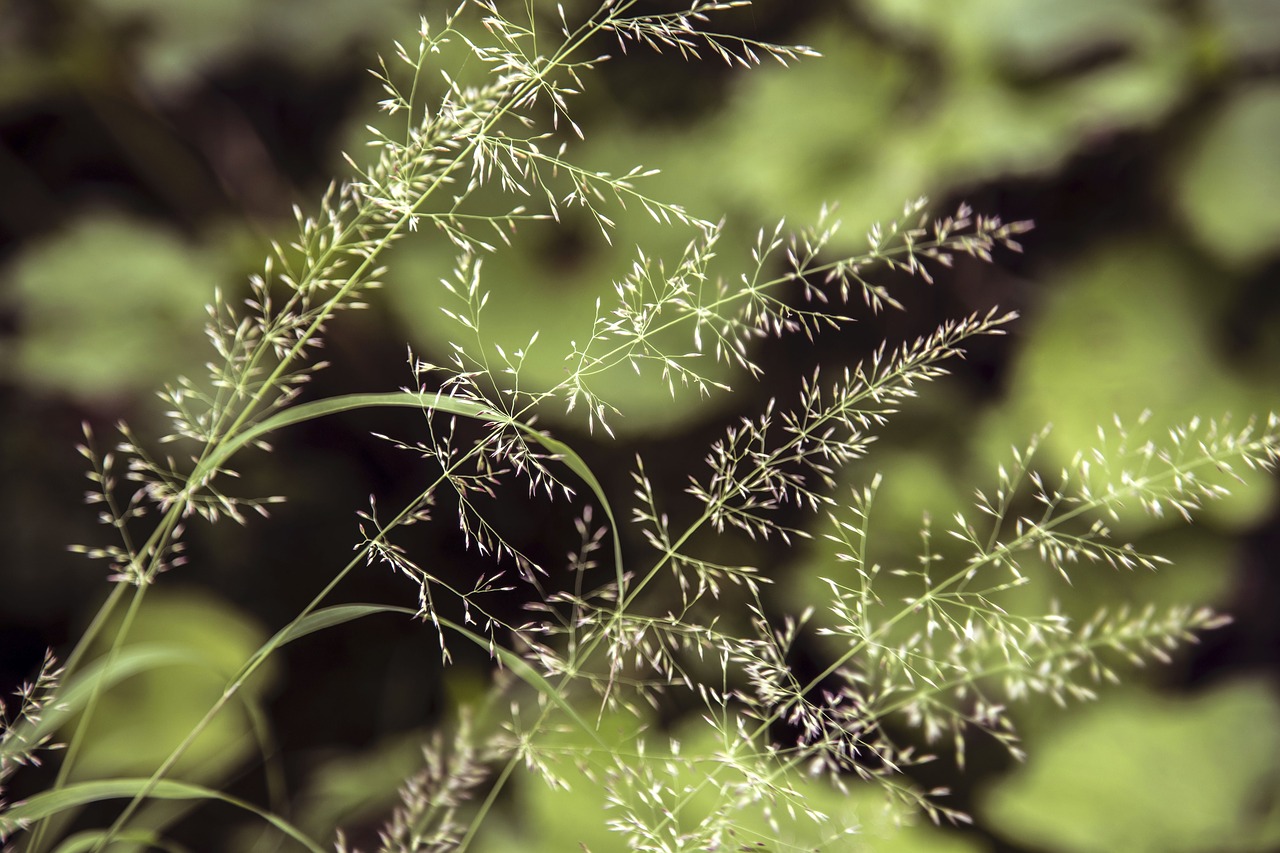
x=402, y=399
x=82, y=841
x=330, y=617
x=101, y=675
x=79, y=794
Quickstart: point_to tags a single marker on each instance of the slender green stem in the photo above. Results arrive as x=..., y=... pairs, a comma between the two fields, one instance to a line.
x=254, y=663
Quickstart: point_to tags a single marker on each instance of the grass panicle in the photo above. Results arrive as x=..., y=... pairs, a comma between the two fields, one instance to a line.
x=664, y=610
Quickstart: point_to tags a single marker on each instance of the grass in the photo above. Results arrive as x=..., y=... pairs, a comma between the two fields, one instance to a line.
x=637, y=630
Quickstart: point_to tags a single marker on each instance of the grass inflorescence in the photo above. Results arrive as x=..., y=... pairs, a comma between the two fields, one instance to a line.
x=637, y=629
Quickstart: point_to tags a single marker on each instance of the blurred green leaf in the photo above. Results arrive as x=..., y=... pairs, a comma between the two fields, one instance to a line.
x=354, y=787
x=1044, y=36
x=182, y=41
x=113, y=306
x=139, y=722
x=793, y=139
x=1228, y=189
x=101, y=676
x=315, y=32
x=1249, y=29
x=1026, y=85
x=1000, y=88
x=1146, y=773
x=73, y=796
x=1128, y=329
x=183, y=38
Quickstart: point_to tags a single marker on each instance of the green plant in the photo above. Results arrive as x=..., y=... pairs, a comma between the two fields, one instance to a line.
x=583, y=672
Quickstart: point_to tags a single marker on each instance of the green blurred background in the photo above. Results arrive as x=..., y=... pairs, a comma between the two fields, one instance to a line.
x=149, y=151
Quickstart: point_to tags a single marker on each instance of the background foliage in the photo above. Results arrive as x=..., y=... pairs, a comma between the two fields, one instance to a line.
x=149, y=150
